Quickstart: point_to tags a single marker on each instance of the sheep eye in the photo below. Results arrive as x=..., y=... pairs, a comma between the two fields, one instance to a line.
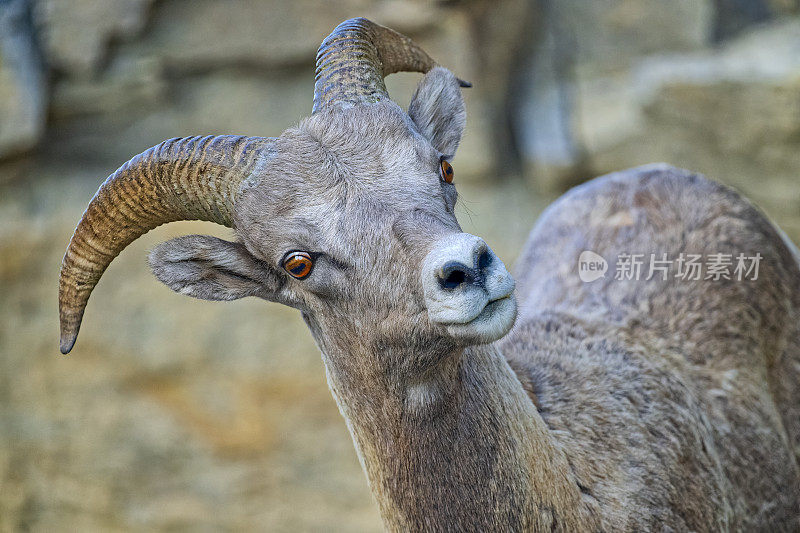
x=298, y=264
x=447, y=171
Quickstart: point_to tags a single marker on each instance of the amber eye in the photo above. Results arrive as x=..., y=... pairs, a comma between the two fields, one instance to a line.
x=298, y=264
x=447, y=171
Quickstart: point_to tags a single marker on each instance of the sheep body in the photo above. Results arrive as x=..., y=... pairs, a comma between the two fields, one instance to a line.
x=676, y=402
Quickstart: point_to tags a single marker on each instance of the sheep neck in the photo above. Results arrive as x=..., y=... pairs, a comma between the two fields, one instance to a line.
x=462, y=448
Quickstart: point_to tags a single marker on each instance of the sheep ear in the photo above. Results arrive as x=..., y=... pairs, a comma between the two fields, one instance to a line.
x=437, y=109
x=209, y=268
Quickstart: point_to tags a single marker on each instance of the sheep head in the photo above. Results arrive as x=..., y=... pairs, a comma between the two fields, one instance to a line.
x=349, y=216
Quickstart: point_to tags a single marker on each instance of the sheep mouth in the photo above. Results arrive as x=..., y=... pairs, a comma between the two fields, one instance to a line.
x=490, y=307
x=491, y=322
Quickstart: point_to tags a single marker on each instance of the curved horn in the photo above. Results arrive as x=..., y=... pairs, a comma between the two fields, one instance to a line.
x=193, y=178
x=353, y=60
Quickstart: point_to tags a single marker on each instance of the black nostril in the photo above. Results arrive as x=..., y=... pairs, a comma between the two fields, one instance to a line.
x=484, y=260
x=455, y=279
x=454, y=274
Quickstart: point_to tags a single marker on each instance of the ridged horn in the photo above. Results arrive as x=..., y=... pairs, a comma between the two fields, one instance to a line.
x=192, y=178
x=353, y=60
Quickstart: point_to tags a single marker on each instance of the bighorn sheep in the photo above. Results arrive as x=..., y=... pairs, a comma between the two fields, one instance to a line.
x=614, y=405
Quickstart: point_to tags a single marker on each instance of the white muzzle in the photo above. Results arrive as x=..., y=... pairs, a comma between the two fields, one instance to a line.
x=468, y=289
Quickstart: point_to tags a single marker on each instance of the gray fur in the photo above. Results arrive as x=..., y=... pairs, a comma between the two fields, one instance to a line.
x=209, y=268
x=688, y=389
x=610, y=406
x=438, y=111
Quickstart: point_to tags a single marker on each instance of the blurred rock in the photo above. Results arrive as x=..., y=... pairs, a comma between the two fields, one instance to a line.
x=77, y=32
x=580, y=42
x=22, y=80
x=128, y=84
x=542, y=120
x=733, y=16
x=214, y=103
x=238, y=67
x=732, y=113
x=501, y=32
x=728, y=111
x=608, y=35
x=199, y=35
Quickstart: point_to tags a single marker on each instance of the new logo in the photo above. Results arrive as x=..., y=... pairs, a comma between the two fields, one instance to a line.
x=591, y=266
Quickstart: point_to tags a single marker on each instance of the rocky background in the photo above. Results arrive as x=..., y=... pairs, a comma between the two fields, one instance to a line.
x=176, y=414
